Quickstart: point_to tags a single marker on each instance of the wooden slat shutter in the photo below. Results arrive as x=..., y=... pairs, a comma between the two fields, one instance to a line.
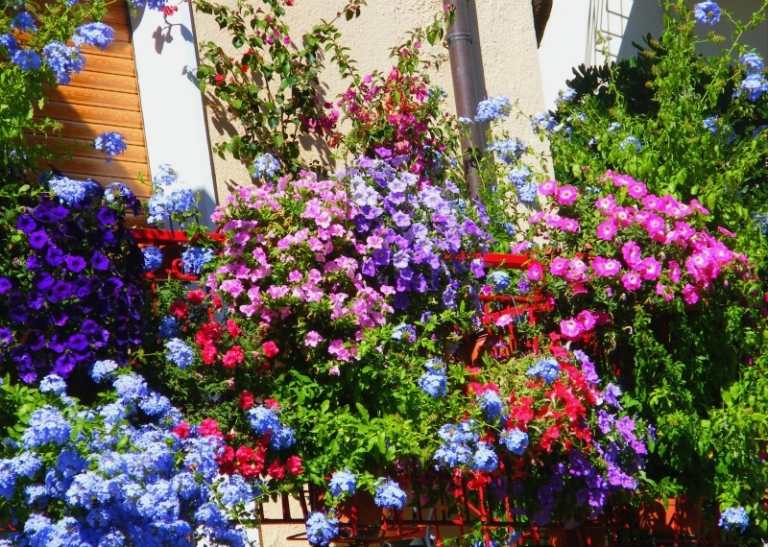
x=103, y=97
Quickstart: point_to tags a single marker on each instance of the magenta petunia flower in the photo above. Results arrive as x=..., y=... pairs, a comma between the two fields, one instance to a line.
x=548, y=188
x=690, y=295
x=570, y=328
x=606, y=204
x=607, y=230
x=559, y=266
x=606, y=267
x=637, y=189
x=631, y=281
x=632, y=253
x=587, y=320
x=535, y=272
x=649, y=269
x=567, y=195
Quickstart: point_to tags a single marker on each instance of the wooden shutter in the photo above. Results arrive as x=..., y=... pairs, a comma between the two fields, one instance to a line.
x=103, y=97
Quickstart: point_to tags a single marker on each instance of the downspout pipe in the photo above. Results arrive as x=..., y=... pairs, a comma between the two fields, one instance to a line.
x=468, y=84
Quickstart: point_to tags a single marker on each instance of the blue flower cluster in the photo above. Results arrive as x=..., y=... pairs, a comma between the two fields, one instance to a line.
x=389, y=495
x=544, y=121
x=526, y=189
x=103, y=370
x=265, y=421
x=84, y=297
x=491, y=404
x=265, y=166
x=168, y=204
x=97, y=34
x=63, y=60
x=457, y=444
x=111, y=143
x=499, y=279
x=508, y=150
x=485, y=459
x=755, y=84
x=411, y=233
x=321, y=530
x=119, y=483
x=153, y=258
x=515, y=441
x=434, y=381
x=53, y=383
x=342, y=483
x=194, y=258
x=24, y=21
x=547, y=369
x=179, y=353
x=492, y=109
x=707, y=13
x=734, y=518
x=169, y=327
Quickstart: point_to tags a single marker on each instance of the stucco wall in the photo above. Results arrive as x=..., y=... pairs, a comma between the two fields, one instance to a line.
x=506, y=36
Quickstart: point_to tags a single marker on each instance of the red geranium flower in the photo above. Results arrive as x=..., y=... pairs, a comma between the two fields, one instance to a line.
x=234, y=356
x=210, y=428
x=233, y=328
x=276, y=470
x=196, y=296
x=209, y=354
x=294, y=465
x=181, y=430
x=179, y=309
x=270, y=349
x=246, y=400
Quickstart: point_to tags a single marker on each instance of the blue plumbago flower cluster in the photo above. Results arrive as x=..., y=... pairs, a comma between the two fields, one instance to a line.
x=632, y=142
x=179, y=353
x=53, y=383
x=24, y=21
x=508, y=150
x=119, y=483
x=194, y=258
x=458, y=442
x=515, y=441
x=434, y=381
x=265, y=166
x=547, y=369
x=543, y=121
x=707, y=13
x=342, y=483
x=94, y=34
x=389, y=495
x=60, y=59
x=103, y=370
x=734, y=518
x=710, y=124
x=169, y=327
x=63, y=60
x=491, y=404
x=526, y=188
x=84, y=295
x=493, y=108
x=411, y=231
x=153, y=258
x=321, y=529
x=566, y=95
x=111, y=143
x=755, y=84
x=168, y=203
x=485, y=459
x=265, y=421
x=499, y=279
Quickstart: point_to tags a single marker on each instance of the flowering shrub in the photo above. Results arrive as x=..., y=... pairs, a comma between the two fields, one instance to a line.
x=77, y=293
x=124, y=471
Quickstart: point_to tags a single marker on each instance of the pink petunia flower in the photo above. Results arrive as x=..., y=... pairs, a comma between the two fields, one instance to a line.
x=607, y=230
x=570, y=328
x=606, y=204
x=674, y=271
x=606, y=267
x=233, y=287
x=631, y=281
x=649, y=269
x=558, y=266
x=548, y=188
x=569, y=225
x=663, y=291
x=567, y=195
x=535, y=272
x=577, y=270
x=587, y=320
x=637, y=189
x=690, y=295
x=632, y=253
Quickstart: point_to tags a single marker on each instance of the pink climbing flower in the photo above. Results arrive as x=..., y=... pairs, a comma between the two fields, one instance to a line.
x=663, y=291
x=637, y=189
x=559, y=266
x=606, y=204
x=232, y=287
x=312, y=339
x=690, y=294
x=674, y=271
x=577, y=270
x=567, y=195
x=632, y=253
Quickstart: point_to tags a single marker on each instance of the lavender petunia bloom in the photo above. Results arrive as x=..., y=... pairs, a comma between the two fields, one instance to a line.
x=38, y=239
x=75, y=264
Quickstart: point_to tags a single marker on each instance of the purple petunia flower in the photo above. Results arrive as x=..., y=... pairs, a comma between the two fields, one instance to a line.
x=5, y=285
x=25, y=224
x=99, y=261
x=38, y=239
x=75, y=264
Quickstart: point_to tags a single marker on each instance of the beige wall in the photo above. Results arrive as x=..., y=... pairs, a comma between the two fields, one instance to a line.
x=506, y=35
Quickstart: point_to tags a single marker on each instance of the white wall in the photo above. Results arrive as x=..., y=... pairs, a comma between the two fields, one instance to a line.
x=171, y=103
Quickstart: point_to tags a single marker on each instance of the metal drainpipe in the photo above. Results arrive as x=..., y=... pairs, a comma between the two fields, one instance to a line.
x=467, y=87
